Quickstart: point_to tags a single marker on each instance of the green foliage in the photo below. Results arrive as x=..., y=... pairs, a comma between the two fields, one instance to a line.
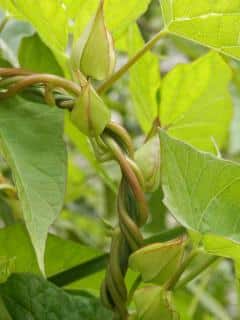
x=31, y=297
x=37, y=173
x=144, y=81
x=200, y=190
x=211, y=23
x=195, y=102
x=184, y=114
x=34, y=55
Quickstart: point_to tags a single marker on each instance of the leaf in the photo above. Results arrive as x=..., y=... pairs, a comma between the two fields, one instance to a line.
x=34, y=55
x=200, y=190
x=195, y=102
x=223, y=247
x=31, y=142
x=118, y=17
x=31, y=297
x=60, y=254
x=144, y=80
x=48, y=18
x=214, y=24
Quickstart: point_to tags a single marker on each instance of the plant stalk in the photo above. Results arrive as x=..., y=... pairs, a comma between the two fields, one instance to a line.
x=117, y=75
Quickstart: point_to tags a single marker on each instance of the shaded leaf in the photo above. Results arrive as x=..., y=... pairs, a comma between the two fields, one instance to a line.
x=31, y=142
x=60, y=254
x=200, y=190
x=31, y=297
x=34, y=55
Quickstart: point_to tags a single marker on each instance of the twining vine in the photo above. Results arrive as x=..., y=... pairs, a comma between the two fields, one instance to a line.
x=131, y=204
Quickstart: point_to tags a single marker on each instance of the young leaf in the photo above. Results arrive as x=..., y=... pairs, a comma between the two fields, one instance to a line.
x=28, y=296
x=195, y=102
x=157, y=262
x=34, y=55
x=144, y=80
x=200, y=190
x=31, y=142
x=212, y=23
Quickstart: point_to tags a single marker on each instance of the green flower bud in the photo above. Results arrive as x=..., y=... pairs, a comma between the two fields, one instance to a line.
x=153, y=303
x=94, y=52
x=90, y=114
x=157, y=262
x=148, y=160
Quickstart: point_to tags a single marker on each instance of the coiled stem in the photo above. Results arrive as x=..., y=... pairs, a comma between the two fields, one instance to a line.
x=132, y=214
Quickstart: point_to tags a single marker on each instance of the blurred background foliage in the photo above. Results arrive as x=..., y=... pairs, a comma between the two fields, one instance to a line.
x=89, y=211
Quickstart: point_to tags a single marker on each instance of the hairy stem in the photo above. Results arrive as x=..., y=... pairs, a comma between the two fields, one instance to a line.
x=117, y=75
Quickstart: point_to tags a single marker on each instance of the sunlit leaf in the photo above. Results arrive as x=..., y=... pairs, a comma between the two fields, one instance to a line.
x=212, y=23
x=195, y=102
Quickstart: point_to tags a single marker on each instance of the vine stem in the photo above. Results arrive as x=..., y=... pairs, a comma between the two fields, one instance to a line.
x=32, y=79
x=117, y=75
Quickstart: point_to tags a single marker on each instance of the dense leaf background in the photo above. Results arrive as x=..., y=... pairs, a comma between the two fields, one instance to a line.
x=56, y=212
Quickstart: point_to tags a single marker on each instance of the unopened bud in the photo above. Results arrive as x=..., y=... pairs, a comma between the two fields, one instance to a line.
x=94, y=52
x=90, y=113
x=157, y=262
x=148, y=160
x=154, y=303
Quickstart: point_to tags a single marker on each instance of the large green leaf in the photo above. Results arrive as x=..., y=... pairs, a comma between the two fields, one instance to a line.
x=60, y=254
x=31, y=297
x=34, y=55
x=195, y=102
x=31, y=142
x=212, y=23
x=144, y=80
x=200, y=190
x=118, y=16
x=49, y=18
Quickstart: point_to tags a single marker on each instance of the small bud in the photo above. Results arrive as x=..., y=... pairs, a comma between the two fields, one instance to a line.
x=148, y=160
x=94, y=52
x=157, y=262
x=90, y=114
x=154, y=303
